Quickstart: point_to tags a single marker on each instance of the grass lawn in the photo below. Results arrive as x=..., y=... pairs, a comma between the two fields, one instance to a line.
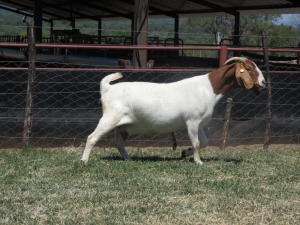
x=242, y=185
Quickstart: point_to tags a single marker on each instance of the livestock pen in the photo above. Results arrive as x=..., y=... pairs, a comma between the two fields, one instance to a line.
x=65, y=102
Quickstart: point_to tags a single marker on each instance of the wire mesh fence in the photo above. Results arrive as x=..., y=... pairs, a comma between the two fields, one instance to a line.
x=66, y=108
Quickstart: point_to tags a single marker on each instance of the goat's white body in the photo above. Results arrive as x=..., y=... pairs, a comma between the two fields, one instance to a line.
x=150, y=108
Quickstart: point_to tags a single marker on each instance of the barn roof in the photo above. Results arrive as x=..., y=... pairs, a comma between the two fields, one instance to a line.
x=95, y=9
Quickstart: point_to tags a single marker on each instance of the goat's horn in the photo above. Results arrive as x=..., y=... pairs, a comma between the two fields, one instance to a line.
x=235, y=59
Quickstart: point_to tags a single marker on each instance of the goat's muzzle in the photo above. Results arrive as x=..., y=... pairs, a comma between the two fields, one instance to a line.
x=257, y=87
x=263, y=84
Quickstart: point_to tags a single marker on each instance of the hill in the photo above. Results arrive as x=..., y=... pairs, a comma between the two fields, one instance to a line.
x=193, y=30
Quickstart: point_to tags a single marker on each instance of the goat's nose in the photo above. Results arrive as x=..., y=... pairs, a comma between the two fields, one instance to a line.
x=263, y=83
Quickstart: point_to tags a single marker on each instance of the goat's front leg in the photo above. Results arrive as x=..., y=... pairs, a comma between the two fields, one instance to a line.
x=193, y=132
x=203, y=142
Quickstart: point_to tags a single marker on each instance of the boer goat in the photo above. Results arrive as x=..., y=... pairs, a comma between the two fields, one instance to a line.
x=149, y=108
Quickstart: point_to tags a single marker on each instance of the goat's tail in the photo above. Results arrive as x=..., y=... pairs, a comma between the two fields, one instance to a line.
x=106, y=81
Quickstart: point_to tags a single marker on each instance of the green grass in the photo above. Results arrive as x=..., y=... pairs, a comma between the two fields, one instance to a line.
x=235, y=186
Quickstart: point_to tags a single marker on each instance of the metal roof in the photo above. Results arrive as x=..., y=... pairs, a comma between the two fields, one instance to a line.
x=95, y=9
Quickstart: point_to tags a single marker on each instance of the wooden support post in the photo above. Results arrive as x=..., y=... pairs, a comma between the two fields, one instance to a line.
x=30, y=81
x=236, y=37
x=38, y=19
x=140, y=32
x=176, y=33
x=99, y=30
x=269, y=103
x=226, y=123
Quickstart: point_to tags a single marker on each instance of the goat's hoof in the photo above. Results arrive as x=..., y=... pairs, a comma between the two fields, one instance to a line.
x=199, y=162
x=83, y=162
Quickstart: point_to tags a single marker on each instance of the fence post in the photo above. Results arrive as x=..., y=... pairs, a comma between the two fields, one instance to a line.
x=269, y=103
x=223, y=55
x=31, y=76
x=226, y=123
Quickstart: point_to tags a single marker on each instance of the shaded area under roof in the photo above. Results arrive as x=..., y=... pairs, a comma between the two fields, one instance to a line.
x=138, y=12
x=95, y=9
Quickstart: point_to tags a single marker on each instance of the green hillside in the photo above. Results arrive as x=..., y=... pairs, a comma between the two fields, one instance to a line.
x=193, y=30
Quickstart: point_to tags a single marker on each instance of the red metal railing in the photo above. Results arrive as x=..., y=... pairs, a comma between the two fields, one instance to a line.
x=223, y=50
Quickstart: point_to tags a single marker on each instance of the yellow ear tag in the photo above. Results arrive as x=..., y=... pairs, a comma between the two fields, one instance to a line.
x=242, y=70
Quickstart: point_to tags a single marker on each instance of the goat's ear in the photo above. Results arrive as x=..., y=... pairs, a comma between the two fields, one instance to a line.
x=243, y=77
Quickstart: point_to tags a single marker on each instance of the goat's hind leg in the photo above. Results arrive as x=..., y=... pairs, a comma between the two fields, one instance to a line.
x=119, y=142
x=105, y=125
x=202, y=137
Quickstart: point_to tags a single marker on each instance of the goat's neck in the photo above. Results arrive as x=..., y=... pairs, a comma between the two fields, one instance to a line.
x=223, y=79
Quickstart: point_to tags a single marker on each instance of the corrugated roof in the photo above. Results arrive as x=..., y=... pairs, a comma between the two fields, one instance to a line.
x=95, y=9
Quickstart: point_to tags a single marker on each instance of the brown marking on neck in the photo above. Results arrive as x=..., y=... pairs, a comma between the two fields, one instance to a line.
x=223, y=79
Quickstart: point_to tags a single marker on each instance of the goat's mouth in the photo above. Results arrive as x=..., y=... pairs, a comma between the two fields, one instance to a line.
x=257, y=87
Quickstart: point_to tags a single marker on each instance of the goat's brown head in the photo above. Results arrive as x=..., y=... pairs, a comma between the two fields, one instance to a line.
x=247, y=74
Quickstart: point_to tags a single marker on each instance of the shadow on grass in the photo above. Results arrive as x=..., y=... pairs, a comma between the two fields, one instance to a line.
x=169, y=159
x=142, y=158
x=219, y=159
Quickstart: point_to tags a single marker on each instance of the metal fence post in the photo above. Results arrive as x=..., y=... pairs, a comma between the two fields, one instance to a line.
x=226, y=123
x=269, y=103
x=31, y=76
